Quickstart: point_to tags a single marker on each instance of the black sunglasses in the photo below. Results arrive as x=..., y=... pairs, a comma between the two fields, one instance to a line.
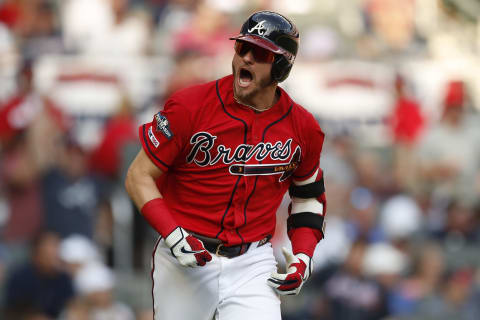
x=260, y=54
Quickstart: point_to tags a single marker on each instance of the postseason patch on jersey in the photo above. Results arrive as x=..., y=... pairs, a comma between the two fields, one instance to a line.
x=163, y=126
x=153, y=138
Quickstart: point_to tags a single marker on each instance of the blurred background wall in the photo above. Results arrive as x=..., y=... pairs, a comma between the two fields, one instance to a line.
x=394, y=84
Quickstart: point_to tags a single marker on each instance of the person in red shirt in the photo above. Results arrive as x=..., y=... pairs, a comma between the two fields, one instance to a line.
x=214, y=167
x=407, y=121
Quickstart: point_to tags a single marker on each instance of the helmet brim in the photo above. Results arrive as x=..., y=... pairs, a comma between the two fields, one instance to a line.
x=261, y=42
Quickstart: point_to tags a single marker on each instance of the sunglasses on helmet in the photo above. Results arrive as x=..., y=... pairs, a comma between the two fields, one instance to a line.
x=260, y=54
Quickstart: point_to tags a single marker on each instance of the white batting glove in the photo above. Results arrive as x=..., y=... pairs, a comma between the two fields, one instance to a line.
x=188, y=250
x=299, y=269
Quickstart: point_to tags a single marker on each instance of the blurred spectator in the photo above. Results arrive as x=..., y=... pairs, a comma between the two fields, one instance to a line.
x=427, y=271
x=39, y=284
x=392, y=21
x=449, y=154
x=19, y=176
x=30, y=126
x=460, y=222
x=120, y=130
x=460, y=236
x=27, y=107
x=38, y=29
x=95, y=284
x=407, y=120
x=456, y=300
x=346, y=293
x=71, y=195
x=362, y=222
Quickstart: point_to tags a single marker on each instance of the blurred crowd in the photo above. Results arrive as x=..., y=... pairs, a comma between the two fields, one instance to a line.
x=393, y=83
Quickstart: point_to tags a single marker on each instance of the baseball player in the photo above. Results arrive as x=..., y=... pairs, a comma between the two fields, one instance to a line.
x=214, y=167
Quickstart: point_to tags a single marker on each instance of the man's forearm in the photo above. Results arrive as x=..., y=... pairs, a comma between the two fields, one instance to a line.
x=141, y=189
x=140, y=181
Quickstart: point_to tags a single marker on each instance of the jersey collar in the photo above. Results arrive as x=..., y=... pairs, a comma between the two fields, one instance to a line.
x=280, y=107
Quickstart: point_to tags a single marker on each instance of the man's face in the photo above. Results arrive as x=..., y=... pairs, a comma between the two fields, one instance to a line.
x=46, y=256
x=251, y=67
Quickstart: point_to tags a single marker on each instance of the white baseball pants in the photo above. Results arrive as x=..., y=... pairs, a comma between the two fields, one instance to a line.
x=223, y=289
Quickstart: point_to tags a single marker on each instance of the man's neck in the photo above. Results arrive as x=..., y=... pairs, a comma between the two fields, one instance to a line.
x=263, y=102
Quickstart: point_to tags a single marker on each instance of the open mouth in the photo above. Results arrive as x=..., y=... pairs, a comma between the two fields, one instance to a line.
x=245, y=77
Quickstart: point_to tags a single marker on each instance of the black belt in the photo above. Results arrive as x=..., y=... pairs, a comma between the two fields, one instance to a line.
x=217, y=247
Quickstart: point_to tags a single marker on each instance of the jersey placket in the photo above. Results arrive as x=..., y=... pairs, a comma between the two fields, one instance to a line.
x=246, y=184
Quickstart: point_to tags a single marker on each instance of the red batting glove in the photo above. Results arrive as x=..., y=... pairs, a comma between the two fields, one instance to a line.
x=188, y=250
x=299, y=269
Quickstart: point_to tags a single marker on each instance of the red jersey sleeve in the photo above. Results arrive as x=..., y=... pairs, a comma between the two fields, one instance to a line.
x=167, y=135
x=312, y=144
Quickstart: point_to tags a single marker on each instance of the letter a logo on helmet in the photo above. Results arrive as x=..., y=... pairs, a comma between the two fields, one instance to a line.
x=259, y=27
x=276, y=33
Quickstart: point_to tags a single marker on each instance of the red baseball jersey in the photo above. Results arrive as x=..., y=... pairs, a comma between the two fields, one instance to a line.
x=227, y=167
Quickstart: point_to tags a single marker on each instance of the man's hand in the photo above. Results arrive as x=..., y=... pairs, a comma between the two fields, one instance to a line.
x=299, y=269
x=188, y=250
